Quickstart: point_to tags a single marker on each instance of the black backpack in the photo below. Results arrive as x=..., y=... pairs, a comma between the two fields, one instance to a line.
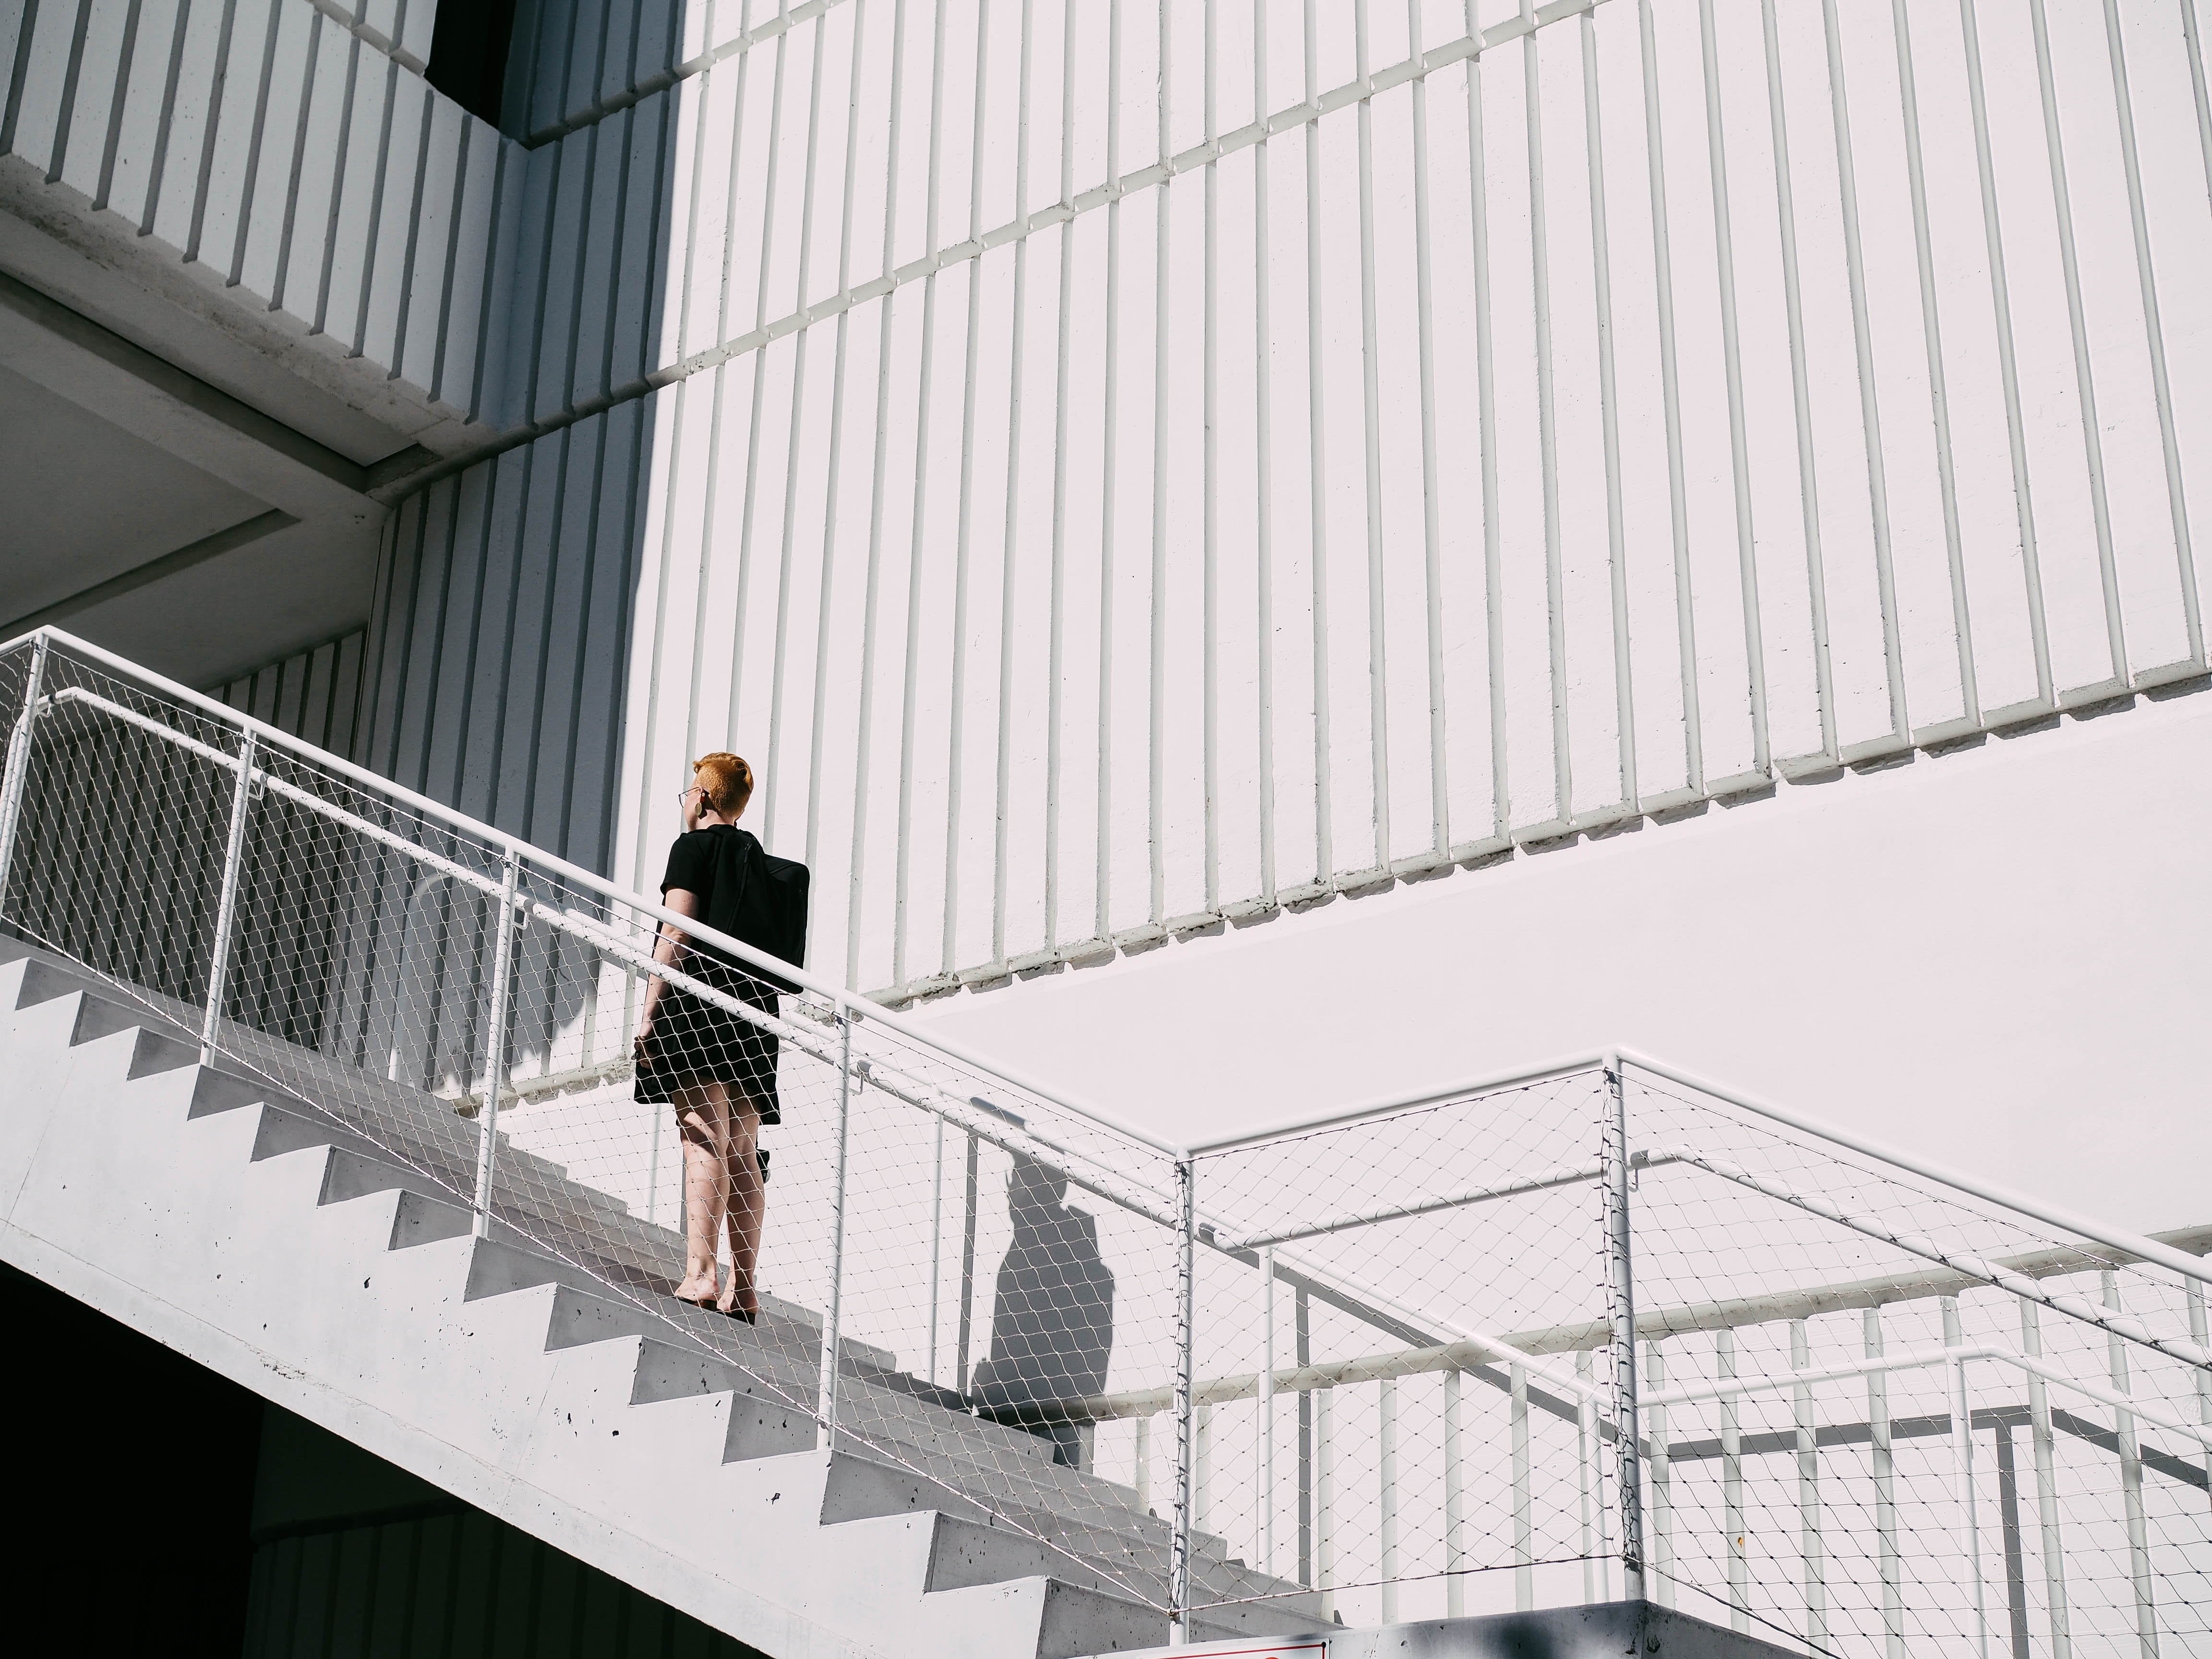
x=760, y=899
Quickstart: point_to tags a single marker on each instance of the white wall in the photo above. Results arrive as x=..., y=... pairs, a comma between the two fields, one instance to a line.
x=1997, y=961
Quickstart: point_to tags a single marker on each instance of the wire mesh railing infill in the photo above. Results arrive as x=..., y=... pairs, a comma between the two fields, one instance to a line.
x=1380, y=1367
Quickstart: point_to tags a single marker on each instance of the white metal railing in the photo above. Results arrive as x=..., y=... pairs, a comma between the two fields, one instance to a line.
x=1319, y=1308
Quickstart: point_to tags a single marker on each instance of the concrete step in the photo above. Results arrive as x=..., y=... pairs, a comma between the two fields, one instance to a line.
x=1055, y=1552
x=775, y=1359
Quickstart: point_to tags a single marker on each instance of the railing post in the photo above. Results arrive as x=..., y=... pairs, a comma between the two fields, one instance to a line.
x=1266, y=1518
x=1887, y=1556
x=1962, y=1470
x=936, y=1245
x=833, y=1314
x=226, y=911
x=1732, y=1487
x=2131, y=1485
x=1808, y=1491
x=1386, y=1488
x=19, y=763
x=1524, y=1511
x=1454, y=1505
x=966, y=1271
x=2046, y=1489
x=1186, y=1449
x=495, y=1041
x=1620, y=1296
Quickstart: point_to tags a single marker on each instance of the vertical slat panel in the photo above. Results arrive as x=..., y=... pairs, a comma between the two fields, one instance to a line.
x=603, y=238
x=1761, y=230
x=394, y=219
x=227, y=161
x=80, y=161
x=2127, y=458
x=1920, y=644
x=352, y=248
x=303, y=253
x=1695, y=386
x=522, y=302
x=187, y=132
x=140, y=105
x=1581, y=509
x=269, y=214
x=2167, y=96
x=52, y=44
x=1694, y=323
x=424, y=304
x=640, y=267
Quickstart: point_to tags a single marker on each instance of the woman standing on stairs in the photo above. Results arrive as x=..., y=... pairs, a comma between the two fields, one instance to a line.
x=715, y=1068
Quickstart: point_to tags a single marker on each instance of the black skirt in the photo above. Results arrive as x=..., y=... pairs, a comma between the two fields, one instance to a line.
x=694, y=1042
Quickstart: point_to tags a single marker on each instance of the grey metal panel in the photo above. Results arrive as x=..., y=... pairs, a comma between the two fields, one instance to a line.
x=270, y=142
x=278, y=164
x=543, y=551
x=185, y=132
x=425, y=714
x=139, y=103
x=601, y=247
x=422, y=305
x=359, y=201
x=587, y=37
x=553, y=45
x=99, y=69
x=544, y=795
x=493, y=335
x=397, y=201
x=227, y=161
x=452, y=380
x=597, y=763
x=311, y=694
x=526, y=260
x=483, y=686
x=634, y=300
x=49, y=39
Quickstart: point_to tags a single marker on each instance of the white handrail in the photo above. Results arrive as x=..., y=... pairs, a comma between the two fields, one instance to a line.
x=2051, y=1215
x=1391, y=1105
x=577, y=875
x=1921, y=1360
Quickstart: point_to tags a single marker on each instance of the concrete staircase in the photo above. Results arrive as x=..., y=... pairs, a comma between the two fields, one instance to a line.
x=319, y=1256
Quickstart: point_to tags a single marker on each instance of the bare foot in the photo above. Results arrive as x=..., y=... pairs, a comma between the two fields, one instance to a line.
x=698, y=1289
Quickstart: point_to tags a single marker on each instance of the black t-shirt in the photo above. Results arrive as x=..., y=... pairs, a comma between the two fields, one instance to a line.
x=691, y=865
x=704, y=862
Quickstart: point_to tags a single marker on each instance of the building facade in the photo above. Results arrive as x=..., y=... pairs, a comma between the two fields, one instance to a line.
x=1116, y=468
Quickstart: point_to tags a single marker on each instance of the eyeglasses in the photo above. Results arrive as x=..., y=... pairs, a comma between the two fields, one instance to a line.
x=684, y=797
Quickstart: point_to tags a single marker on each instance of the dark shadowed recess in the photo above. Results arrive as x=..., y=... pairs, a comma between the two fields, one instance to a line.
x=131, y=1480
x=161, y=1509
x=468, y=53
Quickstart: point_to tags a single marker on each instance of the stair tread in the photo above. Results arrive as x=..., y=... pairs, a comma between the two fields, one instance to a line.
x=425, y=1148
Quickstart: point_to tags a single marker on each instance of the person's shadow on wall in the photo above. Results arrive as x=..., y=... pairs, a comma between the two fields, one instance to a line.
x=1052, y=1320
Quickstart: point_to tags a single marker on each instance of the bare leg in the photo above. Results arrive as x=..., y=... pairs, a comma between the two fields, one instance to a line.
x=703, y=1118
x=748, y=1206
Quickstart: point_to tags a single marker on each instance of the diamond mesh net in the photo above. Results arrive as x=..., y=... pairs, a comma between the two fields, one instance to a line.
x=1875, y=1413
